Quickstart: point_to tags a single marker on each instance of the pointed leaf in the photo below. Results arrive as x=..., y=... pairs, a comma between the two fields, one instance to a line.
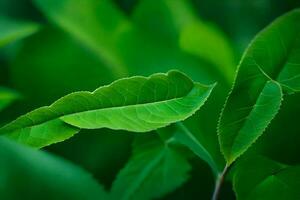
x=30, y=174
x=11, y=30
x=270, y=65
x=154, y=170
x=137, y=104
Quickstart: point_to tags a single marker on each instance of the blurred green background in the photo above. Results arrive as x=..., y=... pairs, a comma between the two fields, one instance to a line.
x=81, y=45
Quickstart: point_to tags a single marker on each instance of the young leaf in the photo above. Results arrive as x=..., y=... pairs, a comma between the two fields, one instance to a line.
x=154, y=170
x=11, y=30
x=270, y=65
x=137, y=104
x=261, y=178
x=83, y=19
x=7, y=97
x=30, y=174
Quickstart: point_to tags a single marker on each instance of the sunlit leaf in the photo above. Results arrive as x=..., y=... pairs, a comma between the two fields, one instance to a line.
x=137, y=104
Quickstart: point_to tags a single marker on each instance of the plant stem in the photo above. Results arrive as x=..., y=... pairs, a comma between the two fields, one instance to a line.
x=219, y=183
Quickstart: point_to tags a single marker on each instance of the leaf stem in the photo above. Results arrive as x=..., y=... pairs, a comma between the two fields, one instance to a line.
x=219, y=183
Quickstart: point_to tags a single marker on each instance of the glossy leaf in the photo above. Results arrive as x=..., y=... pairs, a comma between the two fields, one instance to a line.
x=38, y=175
x=11, y=30
x=7, y=97
x=80, y=19
x=154, y=170
x=137, y=104
x=266, y=180
x=269, y=68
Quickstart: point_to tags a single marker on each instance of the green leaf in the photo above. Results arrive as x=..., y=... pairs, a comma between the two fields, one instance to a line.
x=155, y=169
x=260, y=178
x=137, y=104
x=7, y=97
x=205, y=41
x=83, y=19
x=177, y=23
x=178, y=26
x=12, y=30
x=184, y=136
x=70, y=69
x=269, y=66
x=30, y=174
x=167, y=16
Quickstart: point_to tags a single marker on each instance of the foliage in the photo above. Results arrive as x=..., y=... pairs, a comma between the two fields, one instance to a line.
x=162, y=76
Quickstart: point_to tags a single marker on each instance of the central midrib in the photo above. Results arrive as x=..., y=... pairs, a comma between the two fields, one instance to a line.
x=58, y=115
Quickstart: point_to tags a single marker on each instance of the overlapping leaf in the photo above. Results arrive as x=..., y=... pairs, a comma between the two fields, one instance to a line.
x=11, y=30
x=154, y=170
x=137, y=104
x=30, y=174
x=178, y=25
x=269, y=67
x=261, y=178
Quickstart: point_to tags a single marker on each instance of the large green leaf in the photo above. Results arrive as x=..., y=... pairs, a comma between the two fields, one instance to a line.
x=137, y=104
x=269, y=67
x=7, y=97
x=95, y=24
x=155, y=169
x=11, y=30
x=30, y=174
x=259, y=178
